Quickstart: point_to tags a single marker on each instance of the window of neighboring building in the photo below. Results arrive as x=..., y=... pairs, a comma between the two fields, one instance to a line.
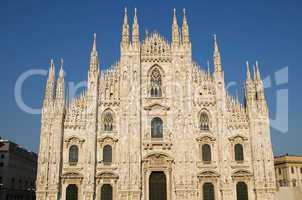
x=1, y=164
x=294, y=183
x=293, y=170
x=12, y=183
x=20, y=184
x=2, y=156
x=279, y=169
x=239, y=152
x=301, y=170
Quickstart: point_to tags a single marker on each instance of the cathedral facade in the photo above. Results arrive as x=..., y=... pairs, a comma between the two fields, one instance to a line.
x=155, y=126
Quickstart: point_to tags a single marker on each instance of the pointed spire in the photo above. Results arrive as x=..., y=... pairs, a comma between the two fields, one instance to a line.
x=254, y=73
x=258, y=76
x=125, y=31
x=175, y=30
x=209, y=70
x=50, y=85
x=185, y=29
x=94, y=60
x=60, y=85
x=94, y=44
x=61, y=72
x=217, y=58
x=208, y=63
x=135, y=30
x=248, y=73
x=51, y=71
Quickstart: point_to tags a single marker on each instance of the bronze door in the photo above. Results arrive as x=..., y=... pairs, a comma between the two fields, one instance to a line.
x=157, y=186
x=106, y=192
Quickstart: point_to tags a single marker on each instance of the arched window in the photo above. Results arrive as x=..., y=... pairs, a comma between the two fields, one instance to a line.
x=155, y=83
x=204, y=122
x=73, y=155
x=108, y=120
x=72, y=192
x=241, y=191
x=156, y=128
x=208, y=191
x=206, y=153
x=239, y=152
x=107, y=155
x=106, y=192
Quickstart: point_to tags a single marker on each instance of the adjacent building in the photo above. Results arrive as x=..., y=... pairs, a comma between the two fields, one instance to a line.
x=288, y=170
x=18, y=168
x=155, y=126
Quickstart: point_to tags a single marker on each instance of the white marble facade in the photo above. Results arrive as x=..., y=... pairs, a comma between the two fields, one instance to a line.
x=155, y=126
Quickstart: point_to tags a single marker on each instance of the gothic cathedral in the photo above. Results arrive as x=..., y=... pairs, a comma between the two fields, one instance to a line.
x=155, y=126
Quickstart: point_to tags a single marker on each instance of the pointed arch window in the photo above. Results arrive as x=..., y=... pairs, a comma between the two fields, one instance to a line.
x=107, y=155
x=73, y=155
x=208, y=191
x=155, y=83
x=206, y=153
x=239, y=156
x=242, y=191
x=204, y=122
x=157, y=128
x=108, y=121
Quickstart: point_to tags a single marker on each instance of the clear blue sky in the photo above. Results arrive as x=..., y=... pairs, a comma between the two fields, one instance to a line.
x=32, y=31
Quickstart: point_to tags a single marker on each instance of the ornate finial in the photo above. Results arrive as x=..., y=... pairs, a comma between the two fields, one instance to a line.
x=135, y=30
x=248, y=73
x=125, y=31
x=175, y=30
x=61, y=73
x=254, y=72
x=52, y=66
x=62, y=62
x=257, y=71
x=126, y=16
x=217, y=59
x=185, y=29
x=94, y=43
x=51, y=71
x=215, y=42
x=135, y=16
